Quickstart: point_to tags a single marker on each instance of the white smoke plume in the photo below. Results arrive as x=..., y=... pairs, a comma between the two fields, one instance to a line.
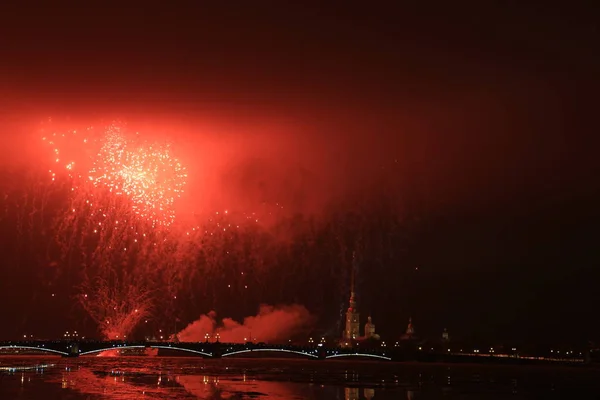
x=271, y=325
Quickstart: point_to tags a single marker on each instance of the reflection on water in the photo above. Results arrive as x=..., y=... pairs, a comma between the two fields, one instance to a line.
x=351, y=394
x=193, y=378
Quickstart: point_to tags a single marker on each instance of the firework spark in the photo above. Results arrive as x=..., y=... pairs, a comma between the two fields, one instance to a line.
x=112, y=161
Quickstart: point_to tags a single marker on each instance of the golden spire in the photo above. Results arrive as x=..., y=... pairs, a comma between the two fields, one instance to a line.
x=352, y=272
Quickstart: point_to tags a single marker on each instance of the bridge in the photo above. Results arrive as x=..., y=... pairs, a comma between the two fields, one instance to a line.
x=200, y=349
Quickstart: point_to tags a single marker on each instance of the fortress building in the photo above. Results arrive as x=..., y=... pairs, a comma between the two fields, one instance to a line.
x=352, y=320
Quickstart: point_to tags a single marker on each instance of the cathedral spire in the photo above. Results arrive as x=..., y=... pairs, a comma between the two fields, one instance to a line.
x=351, y=331
x=352, y=305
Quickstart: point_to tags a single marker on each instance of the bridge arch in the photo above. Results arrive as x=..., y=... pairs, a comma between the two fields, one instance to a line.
x=363, y=355
x=117, y=347
x=202, y=353
x=301, y=353
x=44, y=349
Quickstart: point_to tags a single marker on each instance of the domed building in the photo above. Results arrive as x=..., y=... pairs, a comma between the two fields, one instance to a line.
x=410, y=331
x=370, y=329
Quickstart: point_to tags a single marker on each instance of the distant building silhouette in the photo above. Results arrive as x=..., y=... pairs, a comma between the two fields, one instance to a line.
x=445, y=335
x=410, y=331
x=369, y=328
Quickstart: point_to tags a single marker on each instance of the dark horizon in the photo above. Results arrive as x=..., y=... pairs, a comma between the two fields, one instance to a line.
x=475, y=121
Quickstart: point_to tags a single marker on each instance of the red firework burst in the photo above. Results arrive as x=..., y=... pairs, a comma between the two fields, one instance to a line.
x=110, y=160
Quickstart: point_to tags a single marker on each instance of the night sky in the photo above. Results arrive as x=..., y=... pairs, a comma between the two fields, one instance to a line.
x=479, y=117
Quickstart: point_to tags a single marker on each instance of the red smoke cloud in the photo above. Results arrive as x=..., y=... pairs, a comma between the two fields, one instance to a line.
x=270, y=325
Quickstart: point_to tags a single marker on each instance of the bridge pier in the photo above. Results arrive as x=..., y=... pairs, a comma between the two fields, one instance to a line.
x=72, y=350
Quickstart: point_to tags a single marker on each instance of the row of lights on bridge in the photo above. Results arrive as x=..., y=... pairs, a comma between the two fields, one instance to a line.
x=216, y=336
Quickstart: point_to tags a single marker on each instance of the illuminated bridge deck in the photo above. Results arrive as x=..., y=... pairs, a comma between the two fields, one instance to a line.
x=201, y=349
x=225, y=350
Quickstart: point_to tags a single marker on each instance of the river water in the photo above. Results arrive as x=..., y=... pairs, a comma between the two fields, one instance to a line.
x=127, y=378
